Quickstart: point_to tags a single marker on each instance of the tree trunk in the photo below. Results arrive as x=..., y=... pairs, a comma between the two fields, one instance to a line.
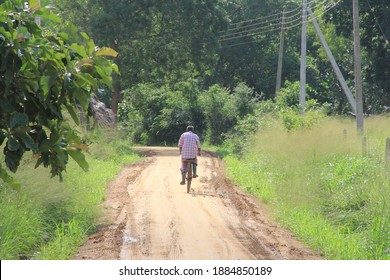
x=116, y=83
x=115, y=94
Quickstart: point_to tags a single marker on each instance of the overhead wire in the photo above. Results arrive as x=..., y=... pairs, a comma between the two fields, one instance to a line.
x=264, y=21
x=268, y=25
x=251, y=34
x=377, y=22
x=254, y=19
x=245, y=31
x=254, y=24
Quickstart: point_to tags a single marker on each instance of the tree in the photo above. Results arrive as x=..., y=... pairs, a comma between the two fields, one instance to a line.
x=45, y=70
x=249, y=48
x=153, y=115
x=374, y=23
x=158, y=42
x=220, y=111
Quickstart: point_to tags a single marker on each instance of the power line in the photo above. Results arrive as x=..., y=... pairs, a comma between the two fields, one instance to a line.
x=254, y=24
x=255, y=19
x=261, y=25
x=377, y=21
x=243, y=35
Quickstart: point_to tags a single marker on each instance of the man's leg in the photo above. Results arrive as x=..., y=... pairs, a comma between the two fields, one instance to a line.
x=194, y=169
x=183, y=170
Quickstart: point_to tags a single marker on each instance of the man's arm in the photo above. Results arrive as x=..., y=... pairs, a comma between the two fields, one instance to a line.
x=180, y=144
x=198, y=143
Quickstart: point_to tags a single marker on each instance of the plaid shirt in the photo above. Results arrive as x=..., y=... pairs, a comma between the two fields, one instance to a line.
x=189, y=142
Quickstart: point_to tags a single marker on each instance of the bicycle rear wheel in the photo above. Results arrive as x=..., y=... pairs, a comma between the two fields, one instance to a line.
x=189, y=178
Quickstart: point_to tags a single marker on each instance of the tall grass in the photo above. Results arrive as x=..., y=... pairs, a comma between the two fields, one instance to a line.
x=319, y=185
x=47, y=219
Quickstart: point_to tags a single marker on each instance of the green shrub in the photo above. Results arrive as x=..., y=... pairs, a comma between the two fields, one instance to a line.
x=220, y=113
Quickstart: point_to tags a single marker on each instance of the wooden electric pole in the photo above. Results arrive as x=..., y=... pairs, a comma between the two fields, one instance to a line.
x=302, y=96
x=358, y=69
x=280, y=59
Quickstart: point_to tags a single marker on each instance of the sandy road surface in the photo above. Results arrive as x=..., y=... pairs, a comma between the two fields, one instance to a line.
x=149, y=215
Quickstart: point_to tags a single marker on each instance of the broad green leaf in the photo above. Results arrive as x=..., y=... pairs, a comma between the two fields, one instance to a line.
x=18, y=119
x=83, y=98
x=42, y=159
x=72, y=137
x=2, y=137
x=34, y=4
x=79, y=157
x=90, y=46
x=29, y=142
x=46, y=83
x=56, y=110
x=84, y=62
x=84, y=35
x=64, y=36
x=12, y=159
x=106, y=52
x=31, y=85
x=12, y=144
x=9, y=179
x=61, y=157
x=5, y=33
x=45, y=146
x=116, y=68
x=47, y=14
x=107, y=80
x=55, y=137
x=73, y=114
x=80, y=146
x=89, y=79
x=5, y=105
x=80, y=50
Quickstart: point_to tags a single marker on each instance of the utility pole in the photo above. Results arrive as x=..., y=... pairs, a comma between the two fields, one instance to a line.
x=336, y=68
x=280, y=59
x=302, y=96
x=358, y=69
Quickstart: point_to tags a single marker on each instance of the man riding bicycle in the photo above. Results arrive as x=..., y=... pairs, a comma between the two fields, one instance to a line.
x=189, y=147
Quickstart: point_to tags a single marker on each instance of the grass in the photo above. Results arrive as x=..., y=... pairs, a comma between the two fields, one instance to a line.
x=47, y=219
x=318, y=184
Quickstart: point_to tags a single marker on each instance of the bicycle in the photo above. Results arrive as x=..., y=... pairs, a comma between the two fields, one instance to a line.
x=190, y=163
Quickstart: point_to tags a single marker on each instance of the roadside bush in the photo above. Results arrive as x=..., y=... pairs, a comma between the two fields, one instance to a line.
x=292, y=115
x=220, y=112
x=292, y=119
x=238, y=137
x=157, y=115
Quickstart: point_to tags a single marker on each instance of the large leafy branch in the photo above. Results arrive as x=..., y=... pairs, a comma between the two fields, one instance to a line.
x=45, y=70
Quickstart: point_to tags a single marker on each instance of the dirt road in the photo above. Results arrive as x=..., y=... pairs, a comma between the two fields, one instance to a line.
x=149, y=215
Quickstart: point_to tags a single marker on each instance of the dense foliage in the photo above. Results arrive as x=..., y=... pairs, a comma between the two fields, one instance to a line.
x=224, y=43
x=181, y=62
x=45, y=71
x=375, y=35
